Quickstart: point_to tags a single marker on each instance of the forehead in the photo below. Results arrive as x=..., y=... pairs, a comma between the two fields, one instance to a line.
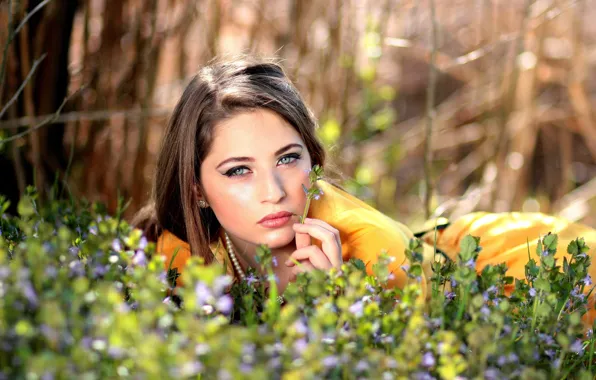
x=253, y=132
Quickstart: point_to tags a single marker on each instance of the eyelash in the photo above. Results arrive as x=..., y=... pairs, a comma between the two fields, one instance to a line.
x=230, y=172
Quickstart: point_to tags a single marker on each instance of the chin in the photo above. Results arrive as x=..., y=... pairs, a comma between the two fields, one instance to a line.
x=279, y=238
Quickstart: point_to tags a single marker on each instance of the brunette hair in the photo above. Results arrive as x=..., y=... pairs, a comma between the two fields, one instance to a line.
x=218, y=91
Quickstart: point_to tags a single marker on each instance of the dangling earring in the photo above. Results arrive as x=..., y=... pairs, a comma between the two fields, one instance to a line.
x=203, y=204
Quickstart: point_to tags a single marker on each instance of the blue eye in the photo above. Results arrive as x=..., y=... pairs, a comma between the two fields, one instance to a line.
x=234, y=171
x=295, y=156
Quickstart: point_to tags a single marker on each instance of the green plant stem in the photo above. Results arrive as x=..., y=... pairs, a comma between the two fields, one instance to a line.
x=462, y=303
x=308, y=199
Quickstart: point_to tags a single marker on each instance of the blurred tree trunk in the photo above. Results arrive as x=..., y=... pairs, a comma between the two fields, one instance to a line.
x=47, y=32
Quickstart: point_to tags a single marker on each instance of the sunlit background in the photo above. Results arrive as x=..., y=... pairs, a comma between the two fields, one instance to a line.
x=506, y=88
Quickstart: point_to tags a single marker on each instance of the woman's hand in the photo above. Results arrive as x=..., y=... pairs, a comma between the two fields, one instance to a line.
x=309, y=255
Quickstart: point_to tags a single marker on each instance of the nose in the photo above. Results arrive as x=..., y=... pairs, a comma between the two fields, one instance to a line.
x=273, y=187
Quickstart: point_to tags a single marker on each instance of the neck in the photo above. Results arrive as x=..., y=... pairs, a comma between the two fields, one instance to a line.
x=246, y=256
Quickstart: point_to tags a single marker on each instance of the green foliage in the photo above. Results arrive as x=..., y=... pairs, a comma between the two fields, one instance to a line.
x=83, y=295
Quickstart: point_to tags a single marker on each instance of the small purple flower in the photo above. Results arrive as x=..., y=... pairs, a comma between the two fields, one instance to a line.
x=449, y=295
x=51, y=271
x=485, y=311
x=428, y=360
x=362, y=366
x=577, y=347
x=405, y=267
x=93, y=230
x=545, y=253
x=300, y=346
x=471, y=263
x=139, y=259
x=587, y=280
x=224, y=304
x=190, y=369
x=330, y=361
x=300, y=327
x=550, y=353
x=221, y=283
x=251, y=279
x=357, y=309
x=203, y=293
x=532, y=292
x=73, y=251
x=274, y=261
x=77, y=269
x=116, y=245
x=143, y=243
x=492, y=374
x=453, y=283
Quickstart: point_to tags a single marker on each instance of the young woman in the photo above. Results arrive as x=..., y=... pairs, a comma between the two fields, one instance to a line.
x=230, y=176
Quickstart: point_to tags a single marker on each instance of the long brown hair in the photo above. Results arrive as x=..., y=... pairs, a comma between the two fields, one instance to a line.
x=217, y=92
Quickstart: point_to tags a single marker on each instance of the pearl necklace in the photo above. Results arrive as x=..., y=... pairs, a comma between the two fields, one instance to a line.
x=236, y=264
x=232, y=255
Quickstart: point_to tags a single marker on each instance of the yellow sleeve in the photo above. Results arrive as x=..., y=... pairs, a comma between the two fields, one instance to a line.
x=369, y=234
x=175, y=251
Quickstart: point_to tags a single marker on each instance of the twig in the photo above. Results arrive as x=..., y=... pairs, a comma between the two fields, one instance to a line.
x=27, y=17
x=430, y=112
x=85, y=115
x=25, y=82
x=47, y=121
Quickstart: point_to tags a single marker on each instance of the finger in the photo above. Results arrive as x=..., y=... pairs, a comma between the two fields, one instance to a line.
x=324, y=225
x=305, y=266
x=313, y=254
x=329, y=239
x=302, y=240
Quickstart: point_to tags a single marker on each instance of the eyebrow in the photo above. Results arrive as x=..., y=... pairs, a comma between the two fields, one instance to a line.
x=250, y=159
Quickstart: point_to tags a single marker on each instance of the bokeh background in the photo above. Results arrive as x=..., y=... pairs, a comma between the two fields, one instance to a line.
x=505, y=88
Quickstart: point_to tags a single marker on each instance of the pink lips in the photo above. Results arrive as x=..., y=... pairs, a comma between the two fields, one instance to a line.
x=277, y=219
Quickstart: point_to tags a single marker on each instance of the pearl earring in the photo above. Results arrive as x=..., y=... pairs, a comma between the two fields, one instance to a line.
x=203, y=204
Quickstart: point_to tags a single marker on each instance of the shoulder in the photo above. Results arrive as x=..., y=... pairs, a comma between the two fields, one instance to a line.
x=175, y=250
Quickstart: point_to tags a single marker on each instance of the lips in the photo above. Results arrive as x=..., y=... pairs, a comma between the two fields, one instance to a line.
x=277, y=215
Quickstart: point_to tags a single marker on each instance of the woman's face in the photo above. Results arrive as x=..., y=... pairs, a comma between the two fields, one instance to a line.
x=257, y=165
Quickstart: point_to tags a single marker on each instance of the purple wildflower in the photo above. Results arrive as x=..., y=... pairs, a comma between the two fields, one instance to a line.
x=4, y=272
x=251, y=279
x=29, y=293
x=273, y=277
x=116, y=245
x=428, y=360
x=300, y=345
x=274, y=261
x=143, y=243
x=93, y=230
x=224, y=304
x=189, y=369
x=139, y=259
x=587, y=280
x=485, y=311
x=492, y=374
x=453, y=283
x=203, y=293
x=220, y=284
x=300, y=327
x=362, y=366
x=330, y=361
x=471, y=263
x=577, y=347
x=73, y=251
x=449, y=295
x=405, y=267
x=532, y=292
x=357, y=309
x=202, y=349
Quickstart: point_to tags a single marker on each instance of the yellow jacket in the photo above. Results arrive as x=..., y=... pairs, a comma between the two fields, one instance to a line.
x=365, y=232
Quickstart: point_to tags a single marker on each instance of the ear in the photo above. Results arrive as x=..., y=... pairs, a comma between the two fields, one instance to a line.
x=198, y=194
